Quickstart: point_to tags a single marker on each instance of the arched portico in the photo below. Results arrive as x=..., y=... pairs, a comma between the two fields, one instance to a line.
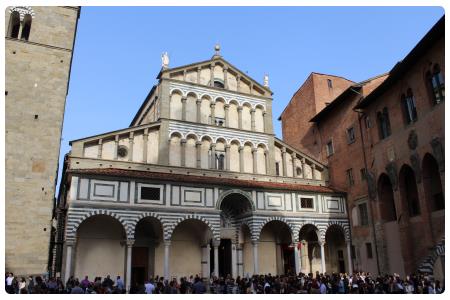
x=311, y=249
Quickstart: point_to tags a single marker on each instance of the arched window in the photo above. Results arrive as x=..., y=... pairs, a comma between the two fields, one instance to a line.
x=436, y=84
x=409, y=107
x=218, y=83
x=408, y=190
x=14, y=25
x=299, y=171
x=26, y=27
x=384, y=125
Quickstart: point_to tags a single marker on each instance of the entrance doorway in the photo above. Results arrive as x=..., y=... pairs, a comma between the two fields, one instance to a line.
x=341, y=261
x=225, y=257
x=288, y=259
x=139, y=265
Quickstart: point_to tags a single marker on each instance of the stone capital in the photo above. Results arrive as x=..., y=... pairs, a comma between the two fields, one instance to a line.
x=254, y=149
x=183, y=141
x=213, y=104
x=198, y=143
x=130, y=243
x=216, y=243
x=198, y=101
x=167, y=243
x=70, y=243
x=241, y=148
x=226, y=106
x=239, y=108
x=183, y=99
x=252, y=110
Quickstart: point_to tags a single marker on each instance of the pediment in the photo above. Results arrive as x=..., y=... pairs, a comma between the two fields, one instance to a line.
x=223, y=73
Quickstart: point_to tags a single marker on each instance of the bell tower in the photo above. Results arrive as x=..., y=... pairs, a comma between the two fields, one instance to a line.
x=39, y=45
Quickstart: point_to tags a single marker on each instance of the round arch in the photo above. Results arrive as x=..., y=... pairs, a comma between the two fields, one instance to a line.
x=276, y=219
x=225, y=194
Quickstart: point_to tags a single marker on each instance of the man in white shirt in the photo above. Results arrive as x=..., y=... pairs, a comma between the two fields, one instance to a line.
x=149, y=287
x=9, y=283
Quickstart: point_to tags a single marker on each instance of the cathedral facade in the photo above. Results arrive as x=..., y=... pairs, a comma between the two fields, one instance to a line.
x=199, y=184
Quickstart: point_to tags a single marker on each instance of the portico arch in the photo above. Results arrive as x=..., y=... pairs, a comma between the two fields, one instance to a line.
x=335, y=249
x=310, y=252
x=238, y=193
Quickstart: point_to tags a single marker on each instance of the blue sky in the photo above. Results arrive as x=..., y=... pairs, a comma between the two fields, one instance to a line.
x=118, y=49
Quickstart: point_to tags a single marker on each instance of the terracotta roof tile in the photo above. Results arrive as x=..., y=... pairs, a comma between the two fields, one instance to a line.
x=205, y=179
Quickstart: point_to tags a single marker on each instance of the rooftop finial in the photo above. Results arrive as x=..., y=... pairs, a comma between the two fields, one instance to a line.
x=217, y=49
x=266, y=80
x=165, y=60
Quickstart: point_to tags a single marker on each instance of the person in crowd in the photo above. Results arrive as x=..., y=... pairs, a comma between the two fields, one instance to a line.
x=77, y=289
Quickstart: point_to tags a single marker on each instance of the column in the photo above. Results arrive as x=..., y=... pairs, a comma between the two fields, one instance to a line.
x=205, y=254
x=265, y=121
x=255, y=257
x=225, y=81
x=227, y=157
x=294, y=165
x=213, y=114
x=199, y=70
x=183, y=152
x=239, y=109
x=233, y=260
x=255, y=160
x=130, y=146
x=100, y=148
x=238, y=84
x=252, y=114
x=144, y=148
x=68, y=271
x=349, y=257
x=240, y=264
x=241, y=159
x=322, y=256
x=283, y=154
x=198, y=102
x=198, y=149
x=313, y=171
x=116, y=146
x=166, y=258
x=213, y=156
x=304, y=263
x=211, y=80
x=183, y=108
x=278, y=259
x=297, y=258
x=208, y=259
x=128, y=274
x=266, y=157
x=216, y=257
x=227, y=119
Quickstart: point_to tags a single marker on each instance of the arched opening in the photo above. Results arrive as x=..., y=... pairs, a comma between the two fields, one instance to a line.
x=175, y=150
x=14, y=25
x=246, y=117
x=233, y=208
x=219, y=159
x=218, y=83
x=408, y=190
x=275, y=249
x=191, y=151
x=248, y=158
x=386, y=199
x=335, y=249
x=432, y=183
x=189, y=256
x=100, y=248
x=191, y=107
x=26, y=27
x=148, y=251
x=176, y=107
x=309, y=249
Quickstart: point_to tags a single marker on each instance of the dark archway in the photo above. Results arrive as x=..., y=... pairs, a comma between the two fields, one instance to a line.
x=386, y=200
x=432, y=183
x=335, y=249
x=408, y=190
x=147, y=250
x=310, y=249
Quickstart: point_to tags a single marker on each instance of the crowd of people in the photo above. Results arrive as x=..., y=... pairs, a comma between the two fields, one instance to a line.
x=335, y=283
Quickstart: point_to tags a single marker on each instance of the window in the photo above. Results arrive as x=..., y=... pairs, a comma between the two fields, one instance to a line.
x=369, y=250
x=363, y=172
x=26, y=27
x=220, y=159
x=436, y=84
x=218, y=84
x=122, y=151
x=330, y=148
x=350, y=135
x=149, y=193
x=299, y=171
x=277, y=168
x=307, y=203
x=368, y=122
x=14, y=24
x=220, y=121
x=363, y=216
x=409, y=107
x=384, y=125
x=350, y=179
x=330, y=83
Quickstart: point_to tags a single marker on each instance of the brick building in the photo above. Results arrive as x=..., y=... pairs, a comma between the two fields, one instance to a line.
x=383, y=140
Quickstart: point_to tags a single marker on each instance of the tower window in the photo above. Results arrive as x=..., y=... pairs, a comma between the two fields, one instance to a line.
x=330, y=83
x=330, y=148
x=384, y=125
x=409, y=107
x=436, y=84
x=350, y=135
x=26, y=28
x=14, y=24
